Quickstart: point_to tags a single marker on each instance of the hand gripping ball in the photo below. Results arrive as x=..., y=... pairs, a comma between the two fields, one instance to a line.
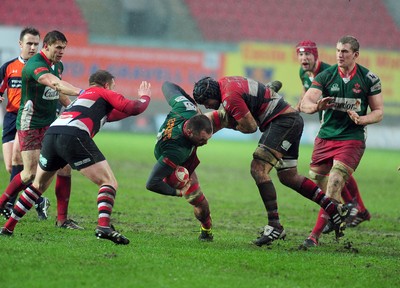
x=179, y=178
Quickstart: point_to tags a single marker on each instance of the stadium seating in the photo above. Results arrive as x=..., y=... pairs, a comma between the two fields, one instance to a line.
x=290, y=21
x=45, y=15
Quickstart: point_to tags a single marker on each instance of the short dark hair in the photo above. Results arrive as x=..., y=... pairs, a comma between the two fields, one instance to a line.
x=206, y=88
x=53, y=37
x=199, y=123
x=348, y=39
x=101, y=78
x=28, y=30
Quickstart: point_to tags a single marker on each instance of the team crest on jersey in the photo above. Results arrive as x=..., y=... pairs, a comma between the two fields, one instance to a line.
x=50, y=94
x=335, y=88
x=356, y=88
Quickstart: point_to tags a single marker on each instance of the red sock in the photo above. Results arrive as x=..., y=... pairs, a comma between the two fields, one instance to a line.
x=346, y=195
x=321, y=222
x=12, y=189
x=353, y=188
x=63, y=192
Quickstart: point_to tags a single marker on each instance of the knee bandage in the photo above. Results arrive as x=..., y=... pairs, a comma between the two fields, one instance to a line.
x=342, y=170
x=316, y=176
x=264, y=154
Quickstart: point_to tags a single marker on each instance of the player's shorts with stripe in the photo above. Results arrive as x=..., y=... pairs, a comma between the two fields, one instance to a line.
x=9, y=127
x=61, y=149
x=348, y=152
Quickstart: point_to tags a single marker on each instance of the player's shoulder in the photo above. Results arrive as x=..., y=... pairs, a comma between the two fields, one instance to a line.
x=365, y=72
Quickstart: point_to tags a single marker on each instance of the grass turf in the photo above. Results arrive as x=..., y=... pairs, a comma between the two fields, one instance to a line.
x=164, y=250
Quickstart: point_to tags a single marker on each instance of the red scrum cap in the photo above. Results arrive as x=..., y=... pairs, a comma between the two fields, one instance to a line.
x=307, y=46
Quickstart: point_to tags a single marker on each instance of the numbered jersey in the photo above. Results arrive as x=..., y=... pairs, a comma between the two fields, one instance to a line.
x=38, y=102
x=171, y=144
x=351, y=93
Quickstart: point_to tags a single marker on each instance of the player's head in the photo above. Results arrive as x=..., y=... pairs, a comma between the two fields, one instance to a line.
x=347, y=51
x=103, y=79
x=198, y=129
x=29, y=39
x=206, y=92
x=307, y=53
x=54, y=44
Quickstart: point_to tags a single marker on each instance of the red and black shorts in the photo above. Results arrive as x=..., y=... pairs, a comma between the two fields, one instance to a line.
x=31, y=139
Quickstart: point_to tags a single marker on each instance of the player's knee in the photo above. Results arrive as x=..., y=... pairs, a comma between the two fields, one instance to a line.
x=340, y=172
x=317, y=177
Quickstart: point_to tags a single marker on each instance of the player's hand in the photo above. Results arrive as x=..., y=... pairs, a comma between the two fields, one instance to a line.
x=354, y=116
x=144, y=89
x=181, y=192
x=1, y=99
x=325, y=103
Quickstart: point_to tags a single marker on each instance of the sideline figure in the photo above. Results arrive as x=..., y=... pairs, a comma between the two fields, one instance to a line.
x=344, y=92
x=310, y=67
x=251, y=104
x=182, y=132
x=42, y=89
x=10, y=79
x=69, y=141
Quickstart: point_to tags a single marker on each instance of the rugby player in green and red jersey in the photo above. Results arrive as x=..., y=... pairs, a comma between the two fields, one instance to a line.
x=42, y=88
x=311, y=66
x=183, y=130
x=345, y=91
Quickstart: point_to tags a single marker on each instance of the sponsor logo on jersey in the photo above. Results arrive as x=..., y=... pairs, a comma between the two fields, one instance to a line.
x=50, y=94
x=344, y=104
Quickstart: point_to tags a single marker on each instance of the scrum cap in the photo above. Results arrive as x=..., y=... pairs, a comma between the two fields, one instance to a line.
x=307, y=46
x=206, y=88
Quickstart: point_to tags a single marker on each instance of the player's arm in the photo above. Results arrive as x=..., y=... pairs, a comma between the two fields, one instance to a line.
x=312, y=101
x=155, y=182
x=171, y=90
x=220, y=119
x=59, y=85
x=124, y=107
x=236, y=107
x=375, y=103
x=303, y=92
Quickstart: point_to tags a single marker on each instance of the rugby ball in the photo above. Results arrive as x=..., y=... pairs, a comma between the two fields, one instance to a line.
x=179, y=178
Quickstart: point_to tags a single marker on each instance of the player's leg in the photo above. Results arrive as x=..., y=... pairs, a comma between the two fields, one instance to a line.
x=101, y=174
x=27, y=199
x=201, y=208
x=63, y=192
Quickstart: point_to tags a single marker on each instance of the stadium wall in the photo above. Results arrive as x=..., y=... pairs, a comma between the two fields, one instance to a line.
x=260, y=61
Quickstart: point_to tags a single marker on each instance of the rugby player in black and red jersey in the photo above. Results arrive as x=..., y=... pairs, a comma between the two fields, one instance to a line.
x=252, y=104
x=69, y=141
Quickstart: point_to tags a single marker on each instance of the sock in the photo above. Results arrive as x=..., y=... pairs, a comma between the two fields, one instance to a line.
x=12, y=189
x=321, y=222
x=24, y=204
x=311, y=191
x=63, y=192
x=269, y=198
x=346, y=195
x=353, y=189
x=105, y=203
x=16, y=169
